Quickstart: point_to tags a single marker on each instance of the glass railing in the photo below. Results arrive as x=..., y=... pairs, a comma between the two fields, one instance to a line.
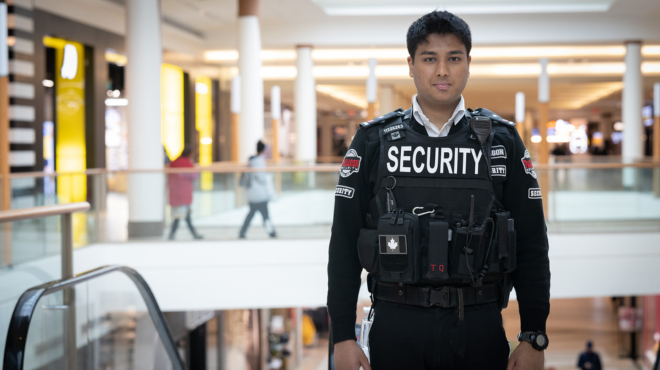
x=106, y=318
x=578, y=197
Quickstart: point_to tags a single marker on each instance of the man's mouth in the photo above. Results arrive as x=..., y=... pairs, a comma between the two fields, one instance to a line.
x=442, y=86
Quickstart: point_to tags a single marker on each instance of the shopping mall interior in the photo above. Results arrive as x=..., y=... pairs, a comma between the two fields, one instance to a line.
x=127, y=128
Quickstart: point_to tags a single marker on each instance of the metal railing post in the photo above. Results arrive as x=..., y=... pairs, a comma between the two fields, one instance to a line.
x=69, y=295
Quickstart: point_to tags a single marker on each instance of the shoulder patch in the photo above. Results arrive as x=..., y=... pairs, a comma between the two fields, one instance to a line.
x=382, y=119
x=494, y=117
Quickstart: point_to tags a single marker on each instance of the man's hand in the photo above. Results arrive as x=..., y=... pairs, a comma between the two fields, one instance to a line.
x=349, y=356
x=525, y=357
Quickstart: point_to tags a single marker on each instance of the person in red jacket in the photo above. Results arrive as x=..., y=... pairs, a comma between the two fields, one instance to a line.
x=181, y=192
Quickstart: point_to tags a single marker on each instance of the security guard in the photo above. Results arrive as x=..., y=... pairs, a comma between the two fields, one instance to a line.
x=441, y=205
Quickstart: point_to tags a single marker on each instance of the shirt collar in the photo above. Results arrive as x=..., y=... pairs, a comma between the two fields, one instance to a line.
x=432, y=129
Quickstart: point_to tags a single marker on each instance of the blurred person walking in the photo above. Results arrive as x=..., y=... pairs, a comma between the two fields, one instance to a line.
x=181, y=192
x=589, y=360
x=259, y=192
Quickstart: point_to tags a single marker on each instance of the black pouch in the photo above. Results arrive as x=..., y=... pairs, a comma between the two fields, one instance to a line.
x=438, y=254
x=506, y=242
x=467, y=251
x=368, y=249
x=399, y=248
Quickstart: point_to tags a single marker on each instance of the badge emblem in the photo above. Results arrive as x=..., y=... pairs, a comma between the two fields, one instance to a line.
x=344, y=191
x=534, y=193
x=527, y=164
x=351, y=164
x=392, y=244
x=498, y=151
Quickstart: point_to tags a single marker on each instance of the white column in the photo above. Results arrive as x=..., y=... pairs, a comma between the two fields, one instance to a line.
x=251, y=128
x=276, y=114
x=520, y=115
x=631, y=104
x=656, y=121
x=386, y=99
x=305, y=106
x=145, y=150
x=520, y=107
x=372, y=88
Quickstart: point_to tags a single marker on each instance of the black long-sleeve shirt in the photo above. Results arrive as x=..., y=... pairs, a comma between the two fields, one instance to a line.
x=518, y=191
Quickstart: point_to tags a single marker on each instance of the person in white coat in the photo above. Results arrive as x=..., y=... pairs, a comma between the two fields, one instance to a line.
x=260, y=191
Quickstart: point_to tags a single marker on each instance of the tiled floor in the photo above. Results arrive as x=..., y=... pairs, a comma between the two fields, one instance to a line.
x=571, y=323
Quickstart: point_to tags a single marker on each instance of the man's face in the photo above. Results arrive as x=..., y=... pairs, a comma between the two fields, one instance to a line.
x=441, y=69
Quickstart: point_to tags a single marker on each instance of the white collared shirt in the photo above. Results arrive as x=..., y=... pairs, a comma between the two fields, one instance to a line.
x=431, y=129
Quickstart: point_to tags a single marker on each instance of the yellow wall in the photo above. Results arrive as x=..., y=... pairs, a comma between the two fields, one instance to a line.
x=172, y=131
x=204, y=125
x=70, y=147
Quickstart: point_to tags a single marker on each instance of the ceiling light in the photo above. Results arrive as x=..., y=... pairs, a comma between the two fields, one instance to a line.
x=116, y=102
x=547, y=51
x=116, y=58
x=221, y=55
x=480, y=52
x=48, y=83
x=357, y=99
x=460, y=8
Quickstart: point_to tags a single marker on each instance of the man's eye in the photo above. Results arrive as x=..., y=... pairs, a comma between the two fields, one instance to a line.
x=454, y=59
x=429, y=59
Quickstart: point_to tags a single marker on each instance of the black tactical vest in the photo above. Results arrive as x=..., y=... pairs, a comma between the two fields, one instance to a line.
x=439, y=222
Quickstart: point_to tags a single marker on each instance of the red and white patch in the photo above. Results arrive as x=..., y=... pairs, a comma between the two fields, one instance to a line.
x=527, y=164
x=351, y=164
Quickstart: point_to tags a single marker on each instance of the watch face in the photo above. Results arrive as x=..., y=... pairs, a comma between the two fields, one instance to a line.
x=541, y=341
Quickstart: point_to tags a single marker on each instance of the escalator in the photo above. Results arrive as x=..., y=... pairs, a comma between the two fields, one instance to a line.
x=106, y=318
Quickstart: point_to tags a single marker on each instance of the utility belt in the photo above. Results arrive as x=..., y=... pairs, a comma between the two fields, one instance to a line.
x=450, y=253
x=446, y=297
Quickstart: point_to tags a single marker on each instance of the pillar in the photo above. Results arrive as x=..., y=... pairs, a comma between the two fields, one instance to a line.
x=372, y=88
x=305, y=106
x=386, y=99
x=656, y=138
x=544, y=98
x=631, y=104
x=656, y=124
x=235, y=108
x=520, y=114
x=145, y=150
x=544, y=154
x=276, y=114
x=251, y=128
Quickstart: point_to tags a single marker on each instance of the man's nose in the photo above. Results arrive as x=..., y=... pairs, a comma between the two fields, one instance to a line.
x=442, y=69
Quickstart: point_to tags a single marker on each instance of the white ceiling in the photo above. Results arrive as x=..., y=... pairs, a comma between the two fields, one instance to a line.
x=463, y=7
x=197, y=25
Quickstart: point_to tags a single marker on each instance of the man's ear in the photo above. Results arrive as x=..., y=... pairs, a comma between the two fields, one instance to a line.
x=410, y=66
x=469, y=61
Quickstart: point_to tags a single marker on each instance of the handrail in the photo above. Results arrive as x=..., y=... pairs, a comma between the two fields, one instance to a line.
x=219, y=167
x=20, y=322
x=42, y=211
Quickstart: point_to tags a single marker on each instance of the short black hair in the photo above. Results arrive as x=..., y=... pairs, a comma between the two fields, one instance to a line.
x=441, y=22
x=260, y=146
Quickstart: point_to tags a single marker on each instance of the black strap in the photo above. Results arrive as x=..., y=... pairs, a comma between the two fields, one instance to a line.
x=442, y=296
x=426, y=182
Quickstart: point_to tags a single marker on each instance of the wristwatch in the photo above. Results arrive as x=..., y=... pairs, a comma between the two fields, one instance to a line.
x=538, y=339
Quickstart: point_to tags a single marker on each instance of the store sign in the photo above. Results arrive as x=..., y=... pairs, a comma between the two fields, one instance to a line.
x=69, y=62
x=172, y=110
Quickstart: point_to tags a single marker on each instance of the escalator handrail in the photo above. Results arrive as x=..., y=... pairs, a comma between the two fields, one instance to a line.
x=20, y=321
